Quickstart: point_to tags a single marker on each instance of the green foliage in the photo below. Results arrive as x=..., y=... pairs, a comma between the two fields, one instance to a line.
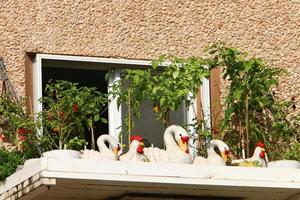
x=9, y=162
x=166, y=84
x=178, y=82
x=60, y=121
x=69, y=108
x=76, y=143
x=293, y=152
x=17, y=127
x=19, y=140
x=252, y=112
x=9, y=107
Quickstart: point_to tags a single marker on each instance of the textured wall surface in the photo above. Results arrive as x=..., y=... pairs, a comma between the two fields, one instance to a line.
x=145, y=29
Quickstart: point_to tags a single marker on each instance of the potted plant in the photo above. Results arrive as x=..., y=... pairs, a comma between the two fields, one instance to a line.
x=290, y=158
x=61, y=119
x=91, y=105
x=68, y=110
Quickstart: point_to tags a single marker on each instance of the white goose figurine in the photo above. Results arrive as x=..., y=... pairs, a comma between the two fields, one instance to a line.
x=176, y=141
x=213, y=158
x=104, y=153
x=259, y=158
x=136, y=150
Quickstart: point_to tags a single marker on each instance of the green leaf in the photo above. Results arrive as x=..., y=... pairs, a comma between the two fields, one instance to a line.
x=96, y=118
x=238, y=94
x=104, y=120
x=175, y=74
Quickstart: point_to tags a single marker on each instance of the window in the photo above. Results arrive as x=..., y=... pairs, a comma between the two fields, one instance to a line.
x=91, y=71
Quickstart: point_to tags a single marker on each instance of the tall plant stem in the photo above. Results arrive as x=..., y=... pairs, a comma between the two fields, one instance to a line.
x=241, y=130
x=93, y=137
x=247, y=124
x=129, y=116
x=166, y=119
x=61, y=137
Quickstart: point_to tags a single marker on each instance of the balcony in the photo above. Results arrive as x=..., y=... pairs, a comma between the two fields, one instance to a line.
x=86, y=179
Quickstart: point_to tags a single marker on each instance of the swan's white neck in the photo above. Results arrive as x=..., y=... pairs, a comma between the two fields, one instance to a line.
x=211, y=150
x=215, y=143
x=101, y=144
x=170, y=139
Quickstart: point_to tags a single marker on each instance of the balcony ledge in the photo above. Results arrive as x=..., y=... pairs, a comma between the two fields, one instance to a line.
x=87, y=179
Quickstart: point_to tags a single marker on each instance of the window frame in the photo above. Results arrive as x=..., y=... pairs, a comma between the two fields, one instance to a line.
x=114, y=114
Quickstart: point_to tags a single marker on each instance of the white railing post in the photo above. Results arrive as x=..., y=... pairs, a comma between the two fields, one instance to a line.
x=114, y=113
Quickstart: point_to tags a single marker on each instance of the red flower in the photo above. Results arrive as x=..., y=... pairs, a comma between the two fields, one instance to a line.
x=56, y=130
x=75, y=107
x=50, y=117
x=22, y=138
x=28, y=131
x=61, y=114
x=20, y=131
x=2, y=138
x=215, y=131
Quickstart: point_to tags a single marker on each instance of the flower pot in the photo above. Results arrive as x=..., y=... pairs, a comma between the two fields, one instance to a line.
x=62, y=154
x=284, y=164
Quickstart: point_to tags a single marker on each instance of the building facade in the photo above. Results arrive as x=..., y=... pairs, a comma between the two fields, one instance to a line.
x=146, y=29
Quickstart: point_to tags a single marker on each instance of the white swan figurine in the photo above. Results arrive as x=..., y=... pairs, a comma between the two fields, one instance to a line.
x=176, y=141
x=104, y=153
x=136, y=150
x=213, y=158
x=258, y=158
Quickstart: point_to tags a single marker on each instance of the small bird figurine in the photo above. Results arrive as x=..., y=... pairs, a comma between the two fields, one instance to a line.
x=104, y=153
x=257, y=160
x=217, y=154
x=136, y=150
x=176, y=140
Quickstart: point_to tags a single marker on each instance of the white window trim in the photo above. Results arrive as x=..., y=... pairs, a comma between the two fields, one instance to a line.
x=114, y=114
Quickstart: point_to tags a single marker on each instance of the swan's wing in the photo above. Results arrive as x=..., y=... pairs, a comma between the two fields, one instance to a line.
x=199, y=160
x=155, y=154
x=125, y=157
x=234, y=162
x=138, y=157
x=89, y=154
x=96, y=155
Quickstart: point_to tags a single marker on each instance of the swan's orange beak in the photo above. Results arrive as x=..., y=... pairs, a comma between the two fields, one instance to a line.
x=183, y=145
x=116, y=151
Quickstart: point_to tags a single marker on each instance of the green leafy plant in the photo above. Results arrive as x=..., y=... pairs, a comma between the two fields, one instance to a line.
x=91, y=104
x=69, y=108
x=18, y=137
x=252, y=111
x=293, y=151
x=60, y=117
x=170, y=82
x=9, y=161
x=76, y=144
x=18, y=128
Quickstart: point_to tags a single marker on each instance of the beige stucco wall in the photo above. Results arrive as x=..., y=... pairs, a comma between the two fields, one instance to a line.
x=145, y=29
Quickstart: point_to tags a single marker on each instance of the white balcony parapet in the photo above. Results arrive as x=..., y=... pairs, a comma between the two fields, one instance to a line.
x=87, y=179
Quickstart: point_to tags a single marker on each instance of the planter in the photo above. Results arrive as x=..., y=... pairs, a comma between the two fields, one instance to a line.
x=284, y=164
x=62, y=154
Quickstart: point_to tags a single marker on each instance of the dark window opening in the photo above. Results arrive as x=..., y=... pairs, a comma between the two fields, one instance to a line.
x=82, y=74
